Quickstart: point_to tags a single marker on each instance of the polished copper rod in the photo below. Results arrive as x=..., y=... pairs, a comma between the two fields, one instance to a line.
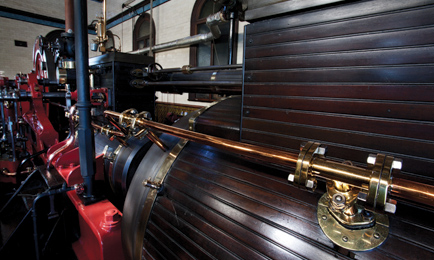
x=249, y=150
x=412, y=191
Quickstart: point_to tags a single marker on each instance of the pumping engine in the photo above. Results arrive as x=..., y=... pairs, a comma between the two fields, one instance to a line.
x=320, y=147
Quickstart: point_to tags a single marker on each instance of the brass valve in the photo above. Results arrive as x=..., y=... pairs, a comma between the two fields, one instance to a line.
x=130, y=118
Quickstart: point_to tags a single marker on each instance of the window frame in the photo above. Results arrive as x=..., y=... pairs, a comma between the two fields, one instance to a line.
x=145, y=17
x=194, y=24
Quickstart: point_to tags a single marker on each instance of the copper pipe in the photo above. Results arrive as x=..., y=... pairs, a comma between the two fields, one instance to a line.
x=321, y=168
x=69, y=15
x=107, y=130
x=252, y=151
x=118, y=127
x=156, y=140
x=413, y=191
x=104, y=9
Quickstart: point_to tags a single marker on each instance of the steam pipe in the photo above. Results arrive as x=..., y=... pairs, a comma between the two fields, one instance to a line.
x=184, y=42
x=103, y=29
x=69, y=15
x=188, y=69
x=412, y=191
x=321, y=168
x=231, y=37
x=151, y=25
x=249, y=150
x=86, y=142
x=212, y=22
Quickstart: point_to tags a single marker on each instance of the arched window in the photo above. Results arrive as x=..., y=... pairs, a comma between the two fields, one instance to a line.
x=141, y=34
x=215, y=52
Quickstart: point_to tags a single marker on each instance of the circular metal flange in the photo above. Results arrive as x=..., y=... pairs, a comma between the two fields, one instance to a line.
x=302, y=177
x=352, y=239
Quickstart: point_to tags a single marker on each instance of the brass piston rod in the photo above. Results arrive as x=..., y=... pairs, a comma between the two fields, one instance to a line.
x=321, y=167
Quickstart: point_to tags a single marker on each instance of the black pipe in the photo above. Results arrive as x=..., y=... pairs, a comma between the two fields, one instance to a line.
x=64, y=189
x=203, y=68
x=210, y=76
x=17, y=191
x=86, y=142
x=3, y=120
x=196, y=83
x=54, y=94
x=231, y=37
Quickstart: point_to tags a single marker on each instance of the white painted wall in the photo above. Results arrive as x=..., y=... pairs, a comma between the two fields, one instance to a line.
x=172, y=21
x=15, y=59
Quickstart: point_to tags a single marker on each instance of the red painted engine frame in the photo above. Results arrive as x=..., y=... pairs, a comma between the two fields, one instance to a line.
x=100, y=223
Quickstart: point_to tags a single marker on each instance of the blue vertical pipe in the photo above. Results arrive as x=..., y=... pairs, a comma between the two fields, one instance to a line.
x=86, y=142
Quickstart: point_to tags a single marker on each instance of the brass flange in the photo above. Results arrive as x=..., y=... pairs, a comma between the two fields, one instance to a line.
x=302, y=176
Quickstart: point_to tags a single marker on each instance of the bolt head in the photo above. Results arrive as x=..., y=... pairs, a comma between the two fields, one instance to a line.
x=397, y=164
x=291, y=177
x=390, y=206
x=320, y=151
x=112, y=216
x=345, y=238
x=371, y=159
x=376, y=236
x=310, y=184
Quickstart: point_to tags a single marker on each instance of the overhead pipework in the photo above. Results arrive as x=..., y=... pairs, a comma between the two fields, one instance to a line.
x=225, y=79
x=212, y=22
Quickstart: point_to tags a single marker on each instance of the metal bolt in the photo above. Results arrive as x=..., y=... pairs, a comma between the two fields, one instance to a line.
x=338, y=199
x=310, y=184
x=291, y=177
x=376, y=236
x=397, y=164
x=390, y=206
x=345, y=238
x=324, y=217
x=371, y=159
x=320, y=151
x=112, y=216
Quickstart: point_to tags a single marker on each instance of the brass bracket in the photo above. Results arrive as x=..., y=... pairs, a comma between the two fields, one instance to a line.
x=151, y=184
x=345, y=221
x=352, y=239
